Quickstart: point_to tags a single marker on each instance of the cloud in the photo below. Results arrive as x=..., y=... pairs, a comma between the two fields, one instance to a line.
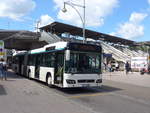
x=132, y=28
x=96, y=11
x=149, y=1
x=137, y=17
x=45, y=20
x=15, y=9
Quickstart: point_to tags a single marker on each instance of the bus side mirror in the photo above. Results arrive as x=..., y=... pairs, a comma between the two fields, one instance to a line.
x=67, y=55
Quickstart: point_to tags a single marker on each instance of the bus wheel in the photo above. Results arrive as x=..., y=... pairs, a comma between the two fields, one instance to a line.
x=49, y=80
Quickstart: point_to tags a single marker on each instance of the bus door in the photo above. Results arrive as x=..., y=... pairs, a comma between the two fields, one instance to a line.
x=20, y=63
x=25, y=65
x=59, y=67
x=37, y=66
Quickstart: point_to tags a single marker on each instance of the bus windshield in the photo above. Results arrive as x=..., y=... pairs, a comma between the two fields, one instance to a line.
x=82, y=62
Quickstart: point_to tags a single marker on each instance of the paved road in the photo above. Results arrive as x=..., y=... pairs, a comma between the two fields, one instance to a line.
x=134, y=78
x=20, y=95
x=113, y=97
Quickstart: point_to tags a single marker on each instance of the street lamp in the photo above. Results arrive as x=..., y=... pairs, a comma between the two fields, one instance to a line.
x=148, y=55
x=37, y=25
x=82, y=19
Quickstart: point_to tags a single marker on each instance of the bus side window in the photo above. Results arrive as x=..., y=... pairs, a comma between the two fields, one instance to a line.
x=29, y=58
x=32, y=60
x=48, y=59
x=52, y=60
x=38, y=58
x=43, y=60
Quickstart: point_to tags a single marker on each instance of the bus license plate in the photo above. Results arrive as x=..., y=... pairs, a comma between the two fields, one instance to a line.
x=85, y=85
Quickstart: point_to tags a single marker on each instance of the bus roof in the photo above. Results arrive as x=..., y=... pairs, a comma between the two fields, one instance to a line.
x=57, y=45
x=62, y=45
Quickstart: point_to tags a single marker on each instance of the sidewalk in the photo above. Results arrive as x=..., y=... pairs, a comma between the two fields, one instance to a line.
x=132, y=78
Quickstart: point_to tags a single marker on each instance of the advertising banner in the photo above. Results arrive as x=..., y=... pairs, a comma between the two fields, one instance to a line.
x=139, y=62
x=2, y=51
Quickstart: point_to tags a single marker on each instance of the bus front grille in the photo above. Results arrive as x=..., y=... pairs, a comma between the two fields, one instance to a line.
x=86, y=81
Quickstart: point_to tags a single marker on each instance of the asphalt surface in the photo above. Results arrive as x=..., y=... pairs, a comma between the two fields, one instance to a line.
x=20, y=95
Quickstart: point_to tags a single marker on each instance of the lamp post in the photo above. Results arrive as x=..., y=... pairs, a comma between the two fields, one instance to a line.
x=82, y=19
x=37, y=25
x=148, y=55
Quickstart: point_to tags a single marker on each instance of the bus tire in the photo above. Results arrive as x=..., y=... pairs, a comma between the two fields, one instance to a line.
x=49, y=80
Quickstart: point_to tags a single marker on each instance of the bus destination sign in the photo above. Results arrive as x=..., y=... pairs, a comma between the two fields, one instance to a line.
x=85, y=47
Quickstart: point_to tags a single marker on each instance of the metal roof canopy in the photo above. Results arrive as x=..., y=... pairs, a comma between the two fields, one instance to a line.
x=58, y=28
x=146, y=43
x=26, y=40
x=20, y=40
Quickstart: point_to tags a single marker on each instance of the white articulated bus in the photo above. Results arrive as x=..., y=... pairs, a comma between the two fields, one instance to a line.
x=64, y=64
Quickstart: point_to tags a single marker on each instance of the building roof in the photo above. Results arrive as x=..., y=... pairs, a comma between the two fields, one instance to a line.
x=20, y=40
x=26, y=40
x=147, y=43
x=59, y=28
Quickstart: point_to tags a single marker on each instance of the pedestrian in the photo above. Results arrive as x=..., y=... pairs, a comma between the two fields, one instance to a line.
x=143, y=70
x=127, y=67
x=109, y=67
x=105, y=66
x=116, y=66
x=3, y=69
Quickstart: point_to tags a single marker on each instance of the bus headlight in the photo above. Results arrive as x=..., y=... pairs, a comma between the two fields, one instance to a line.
x=99, y=81
x=69, y=81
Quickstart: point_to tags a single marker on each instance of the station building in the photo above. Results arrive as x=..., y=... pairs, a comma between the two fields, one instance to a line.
x=115, y=49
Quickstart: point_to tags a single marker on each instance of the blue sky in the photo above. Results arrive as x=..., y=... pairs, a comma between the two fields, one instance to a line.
x=128, y=19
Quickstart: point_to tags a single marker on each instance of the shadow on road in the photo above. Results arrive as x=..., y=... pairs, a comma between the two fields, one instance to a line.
x=106, y=88
x=11, y=75
x=102, y=89
x=82, y=90
x=2, y=90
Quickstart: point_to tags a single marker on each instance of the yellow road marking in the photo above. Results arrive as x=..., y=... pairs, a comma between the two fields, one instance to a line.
x=88, y=95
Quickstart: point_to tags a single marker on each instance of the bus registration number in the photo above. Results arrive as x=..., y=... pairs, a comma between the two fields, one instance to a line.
x=85, y=85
